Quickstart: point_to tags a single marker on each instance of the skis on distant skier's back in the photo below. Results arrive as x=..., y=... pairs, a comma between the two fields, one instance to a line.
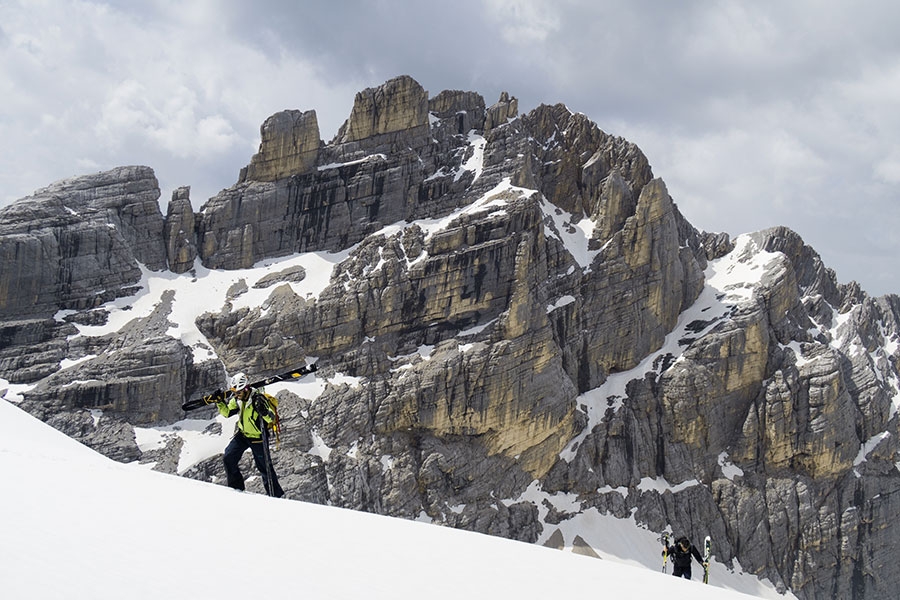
x=665, y=552
x=706, y=554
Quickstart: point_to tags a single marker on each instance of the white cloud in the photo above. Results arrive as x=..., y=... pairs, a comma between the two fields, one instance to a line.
x=172, y=119
x=888, y=169
x=729, y=34
x=100, y=87
x=523, y=22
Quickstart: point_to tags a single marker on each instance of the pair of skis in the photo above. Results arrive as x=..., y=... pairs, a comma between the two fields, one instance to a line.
x=707, y=551
x=219, y=395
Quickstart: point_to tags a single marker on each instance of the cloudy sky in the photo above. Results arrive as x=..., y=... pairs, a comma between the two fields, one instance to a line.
x=754, y=113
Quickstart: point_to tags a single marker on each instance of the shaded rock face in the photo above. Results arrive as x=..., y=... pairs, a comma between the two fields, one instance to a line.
x=465, y=108
x=73, y=244
x=338, y=195
x=774, y=420
x=181, y=246
x=513, y=303
x=69, y=249
x=503, y=110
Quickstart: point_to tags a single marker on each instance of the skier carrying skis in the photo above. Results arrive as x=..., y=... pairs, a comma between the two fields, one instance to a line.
x=255, y=414
x=681, y=554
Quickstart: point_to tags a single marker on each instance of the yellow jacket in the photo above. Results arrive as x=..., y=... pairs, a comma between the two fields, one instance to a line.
x=249, y=421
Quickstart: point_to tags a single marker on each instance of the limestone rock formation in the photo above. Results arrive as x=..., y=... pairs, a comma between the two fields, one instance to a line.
x=400, y=105
x=181, y=247
x=290, y=146
x=465, y=110
x=499, y=113
x=76, y=244
x=515, y=327
x=354, y=190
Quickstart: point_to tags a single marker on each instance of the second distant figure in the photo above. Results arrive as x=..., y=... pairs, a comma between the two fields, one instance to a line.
x=680, y=554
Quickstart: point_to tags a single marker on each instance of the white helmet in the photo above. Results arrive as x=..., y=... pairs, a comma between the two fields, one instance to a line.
x=238, y=382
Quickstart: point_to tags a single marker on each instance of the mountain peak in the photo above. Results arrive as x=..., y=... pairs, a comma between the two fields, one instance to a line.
x=517, y=333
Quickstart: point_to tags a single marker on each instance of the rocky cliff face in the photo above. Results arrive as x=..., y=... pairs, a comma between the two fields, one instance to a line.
x=65, y=243
x=516, y=327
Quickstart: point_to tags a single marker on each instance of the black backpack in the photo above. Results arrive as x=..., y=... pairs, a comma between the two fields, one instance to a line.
x=681, y=557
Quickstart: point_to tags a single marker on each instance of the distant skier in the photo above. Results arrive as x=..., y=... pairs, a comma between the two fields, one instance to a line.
x=256, y=412
x=680, y=554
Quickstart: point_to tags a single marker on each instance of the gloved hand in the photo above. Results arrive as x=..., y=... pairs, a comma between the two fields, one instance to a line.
x=261, y=407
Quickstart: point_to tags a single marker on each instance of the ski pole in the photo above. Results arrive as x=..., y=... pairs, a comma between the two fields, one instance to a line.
x=270, y=485
x=267, y=457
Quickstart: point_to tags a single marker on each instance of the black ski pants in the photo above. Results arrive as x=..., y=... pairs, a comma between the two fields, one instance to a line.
x=233, y=452
x=682, y=571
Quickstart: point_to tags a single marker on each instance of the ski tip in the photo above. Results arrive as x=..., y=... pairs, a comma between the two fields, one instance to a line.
x=306, y=370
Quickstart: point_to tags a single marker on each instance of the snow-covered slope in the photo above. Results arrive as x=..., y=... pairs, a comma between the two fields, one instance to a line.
x=78, y=525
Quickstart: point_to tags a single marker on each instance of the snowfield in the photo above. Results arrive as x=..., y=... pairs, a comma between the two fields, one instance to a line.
x=79, y=525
